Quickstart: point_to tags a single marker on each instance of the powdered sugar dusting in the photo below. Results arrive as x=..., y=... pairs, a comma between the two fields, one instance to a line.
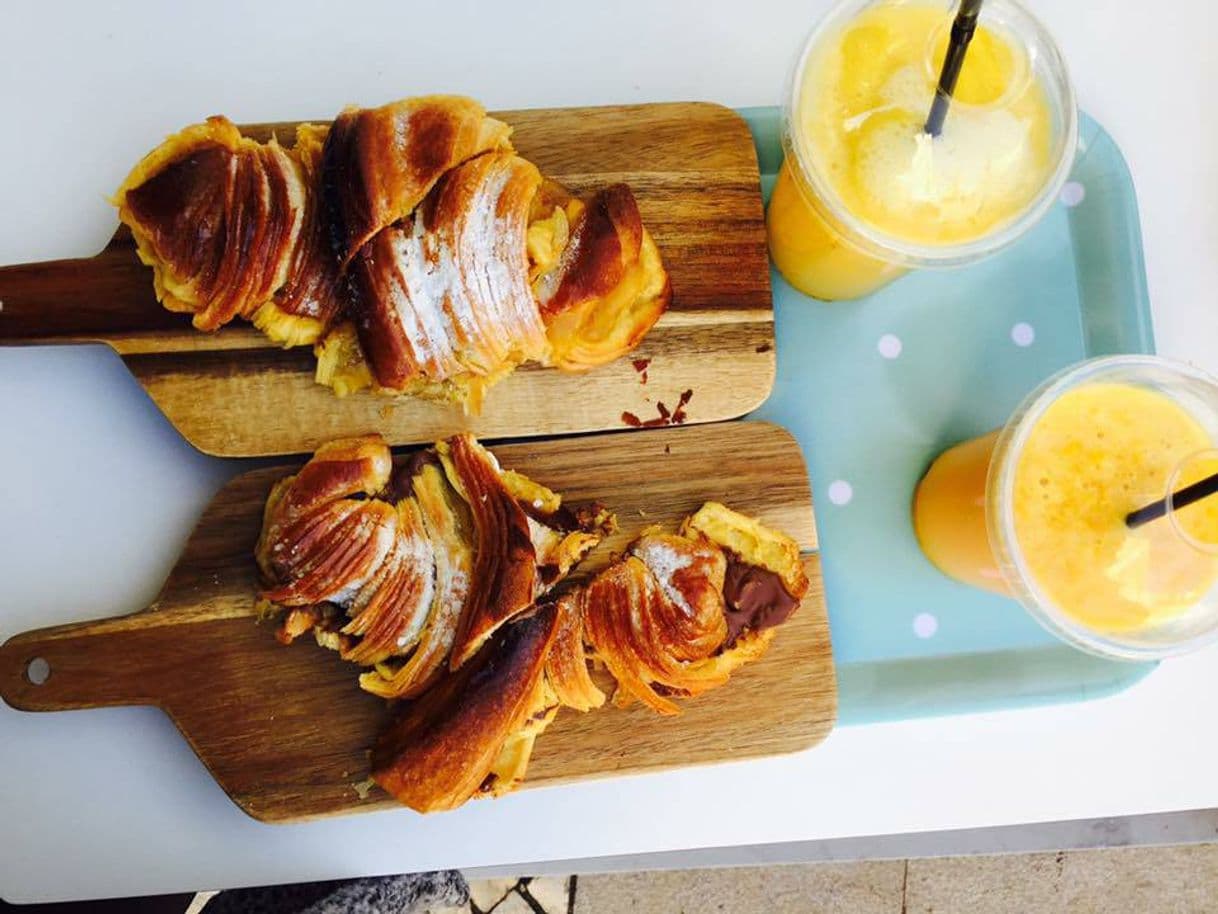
x=461, y=291
x=382, y=536
x=664, y=562
x=426, y=273
x=417, y=553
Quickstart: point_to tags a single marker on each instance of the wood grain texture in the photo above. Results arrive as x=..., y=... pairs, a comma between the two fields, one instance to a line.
x=285, y=730
x=692, y=167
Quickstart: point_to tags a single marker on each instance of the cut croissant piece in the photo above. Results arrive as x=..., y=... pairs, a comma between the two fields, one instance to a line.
x=319, y=541
x=389, y=618
x=680, y=613
x=436, y=578
x=379, y=163
x=447, y=745
x=448, y=525
x=312, y=294
x=607, y=288
x=408, y=244
x=444, y=298
x=504, y=580
x=567, y=666
x=217, y=216
x=411, y=571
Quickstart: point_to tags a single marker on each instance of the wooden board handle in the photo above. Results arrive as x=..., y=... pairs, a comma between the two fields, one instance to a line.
x=89, y=665
x=89, y=298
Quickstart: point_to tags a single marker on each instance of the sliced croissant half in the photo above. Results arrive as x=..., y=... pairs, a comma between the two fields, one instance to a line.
x=409, y=572
x=379, y=163
x=680, y=613
x=474, y=730
x=444, y=298
x=217, y=216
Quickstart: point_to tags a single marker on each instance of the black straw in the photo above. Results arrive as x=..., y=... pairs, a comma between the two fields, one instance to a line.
x=963, y=27
x=1182, y=499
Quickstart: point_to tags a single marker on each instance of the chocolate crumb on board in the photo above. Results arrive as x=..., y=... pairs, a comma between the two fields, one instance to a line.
x=640, y=365
x=764, y=347
x=666, y=416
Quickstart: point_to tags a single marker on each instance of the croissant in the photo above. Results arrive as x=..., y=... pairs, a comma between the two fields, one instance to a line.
x=403, y=572
x=680, y=613
x=407, y=243
x=438, y=578
x=216, y=215
x=444, y=297
x=474, y=730
x=379, y=163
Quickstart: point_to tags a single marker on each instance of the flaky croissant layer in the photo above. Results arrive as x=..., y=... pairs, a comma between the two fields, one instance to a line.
x=406, y=570
x=436, y=577
x=408, y=243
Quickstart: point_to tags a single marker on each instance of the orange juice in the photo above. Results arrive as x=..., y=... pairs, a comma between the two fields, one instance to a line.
x=864, y=192
x=1096, y=454
x=949, y=515
x=1038, y=510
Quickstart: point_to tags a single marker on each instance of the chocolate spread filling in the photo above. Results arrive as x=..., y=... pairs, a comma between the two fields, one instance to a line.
x=755, y=598
x=400, y=484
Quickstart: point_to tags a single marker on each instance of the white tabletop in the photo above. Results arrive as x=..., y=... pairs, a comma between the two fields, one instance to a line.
x=98, y=493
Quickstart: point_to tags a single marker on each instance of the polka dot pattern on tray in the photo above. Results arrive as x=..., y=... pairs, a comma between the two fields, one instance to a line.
x=1072, y=194
x=840, y=492
x=889, y=346
x=925, y=625
x=1023, y=334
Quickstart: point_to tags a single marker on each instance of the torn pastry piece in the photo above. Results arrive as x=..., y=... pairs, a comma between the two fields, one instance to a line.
x=449, y=527
x=442, y=302
x=511, y=547
x=765, y=580
x=379, y=163
x=323, y=540
x=217, y=216
x=680, y=613
x=567, y=666
x=312, y=294
x=411, y=571
x=472, y=731
x=606, y=287
x=445, y=307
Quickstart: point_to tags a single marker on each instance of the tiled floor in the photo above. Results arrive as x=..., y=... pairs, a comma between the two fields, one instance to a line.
x=1160, y=880
x=1145, y=880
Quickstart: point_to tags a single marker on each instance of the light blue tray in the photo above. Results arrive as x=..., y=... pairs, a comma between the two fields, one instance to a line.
x=972, y=342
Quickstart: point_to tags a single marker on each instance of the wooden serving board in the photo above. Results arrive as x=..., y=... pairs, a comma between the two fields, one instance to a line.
x=692, y=167
x=285, y=730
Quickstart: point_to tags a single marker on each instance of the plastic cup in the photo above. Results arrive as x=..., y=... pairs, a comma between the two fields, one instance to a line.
x=824, y=245
x=1071, y=560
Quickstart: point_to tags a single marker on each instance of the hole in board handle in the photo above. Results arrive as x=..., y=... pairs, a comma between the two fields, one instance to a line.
x=38, y=671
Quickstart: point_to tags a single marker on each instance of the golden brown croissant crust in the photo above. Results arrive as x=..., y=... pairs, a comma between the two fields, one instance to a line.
x=379, y=163
x=444, y=296
x=218, y=217
x=435, y=576
x=401, y=571
x=408, y=243
x=444, y=746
